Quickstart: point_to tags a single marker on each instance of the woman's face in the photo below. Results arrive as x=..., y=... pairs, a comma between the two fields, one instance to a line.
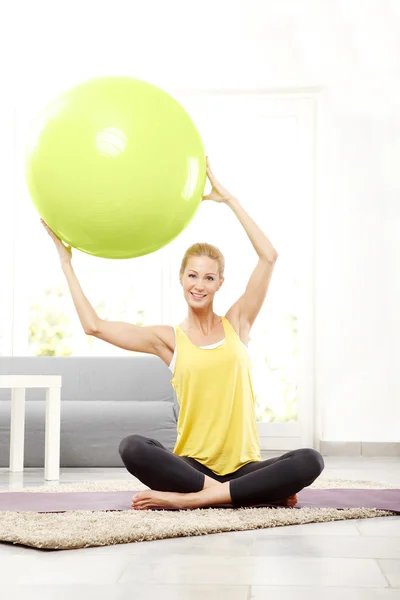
x=200, y=281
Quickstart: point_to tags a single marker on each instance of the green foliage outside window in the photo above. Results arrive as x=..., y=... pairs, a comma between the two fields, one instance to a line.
x=49, y=324
x=284, y=374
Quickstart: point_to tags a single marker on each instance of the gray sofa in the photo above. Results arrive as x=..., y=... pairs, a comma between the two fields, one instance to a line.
x=103, y=399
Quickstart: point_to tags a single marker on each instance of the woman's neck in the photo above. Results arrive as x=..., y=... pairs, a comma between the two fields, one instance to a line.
x=201, y=322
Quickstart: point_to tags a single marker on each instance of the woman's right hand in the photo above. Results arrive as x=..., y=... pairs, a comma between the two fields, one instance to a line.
x=64, y=252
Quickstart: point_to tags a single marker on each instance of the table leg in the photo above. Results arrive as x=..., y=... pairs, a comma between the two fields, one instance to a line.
x=17, y=429
x=52, y=435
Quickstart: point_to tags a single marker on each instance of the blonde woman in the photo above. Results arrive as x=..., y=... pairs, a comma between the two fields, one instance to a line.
x=216, y=459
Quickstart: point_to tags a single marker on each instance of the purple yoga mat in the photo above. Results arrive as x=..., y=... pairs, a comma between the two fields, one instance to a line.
x=62, y=501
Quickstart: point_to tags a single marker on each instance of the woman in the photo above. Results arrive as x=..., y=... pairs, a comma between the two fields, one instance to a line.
x=216, y=459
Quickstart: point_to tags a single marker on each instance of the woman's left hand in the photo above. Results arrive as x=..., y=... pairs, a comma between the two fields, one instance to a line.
x=218, y=192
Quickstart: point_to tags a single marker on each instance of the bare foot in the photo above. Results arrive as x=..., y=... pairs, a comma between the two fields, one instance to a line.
x=154, y=499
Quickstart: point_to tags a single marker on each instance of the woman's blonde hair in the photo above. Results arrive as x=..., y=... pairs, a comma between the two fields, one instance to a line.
x=203, y=249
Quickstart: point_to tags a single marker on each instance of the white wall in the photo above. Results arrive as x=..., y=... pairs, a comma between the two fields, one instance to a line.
x=351, y=50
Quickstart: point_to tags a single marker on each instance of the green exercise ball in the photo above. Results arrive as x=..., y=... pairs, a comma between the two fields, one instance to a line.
x=116, y=167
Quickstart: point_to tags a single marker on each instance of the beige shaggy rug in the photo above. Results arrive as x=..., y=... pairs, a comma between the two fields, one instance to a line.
x=81, y=529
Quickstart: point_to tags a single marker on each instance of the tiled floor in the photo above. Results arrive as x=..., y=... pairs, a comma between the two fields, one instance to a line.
x=344, y=560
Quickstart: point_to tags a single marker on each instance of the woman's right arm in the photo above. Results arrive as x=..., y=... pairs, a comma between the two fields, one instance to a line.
x=86, y=313
x=124, y=335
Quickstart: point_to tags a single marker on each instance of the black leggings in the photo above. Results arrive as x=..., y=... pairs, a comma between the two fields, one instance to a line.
x=257, y=482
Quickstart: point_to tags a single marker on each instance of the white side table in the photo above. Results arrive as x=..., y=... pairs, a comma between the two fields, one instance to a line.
x=18, y=385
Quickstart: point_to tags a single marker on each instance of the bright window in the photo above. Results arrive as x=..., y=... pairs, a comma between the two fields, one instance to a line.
x=260, y=147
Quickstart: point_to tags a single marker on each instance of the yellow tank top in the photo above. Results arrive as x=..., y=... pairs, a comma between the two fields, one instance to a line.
x=216, y=424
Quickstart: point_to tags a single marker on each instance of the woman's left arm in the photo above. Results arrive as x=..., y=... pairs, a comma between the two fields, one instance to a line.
x=247, y=307
x=261, y=243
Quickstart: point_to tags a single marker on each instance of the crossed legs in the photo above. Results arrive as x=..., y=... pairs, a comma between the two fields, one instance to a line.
x=183, y=482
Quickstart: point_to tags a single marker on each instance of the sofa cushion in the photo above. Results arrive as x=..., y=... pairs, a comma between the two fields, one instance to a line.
x=90, y=431
x=103, y=399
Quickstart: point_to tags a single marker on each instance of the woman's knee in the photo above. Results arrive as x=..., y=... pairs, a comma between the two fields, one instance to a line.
x=312, y=461
x=131, y=446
